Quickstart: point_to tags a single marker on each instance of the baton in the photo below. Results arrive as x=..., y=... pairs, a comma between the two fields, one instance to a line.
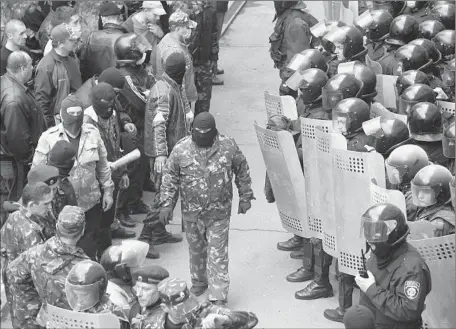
x=363, y=272
x=126, y=159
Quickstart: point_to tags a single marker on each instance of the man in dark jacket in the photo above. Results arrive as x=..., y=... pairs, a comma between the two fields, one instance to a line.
x=98, y=52
x=221, y=7
x=57, y=74
x=22, y=123
x=204, y=48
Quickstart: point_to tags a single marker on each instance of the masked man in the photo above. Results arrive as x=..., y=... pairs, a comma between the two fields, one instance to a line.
x=90, y=172
x=202, y=168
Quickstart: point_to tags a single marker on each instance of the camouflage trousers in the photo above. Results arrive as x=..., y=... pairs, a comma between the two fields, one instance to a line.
x=203, y=83
x=208, y=245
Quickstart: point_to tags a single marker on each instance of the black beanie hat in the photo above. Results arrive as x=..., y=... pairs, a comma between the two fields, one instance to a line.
x=113, y=77
x=61, y=156
x=175, y=66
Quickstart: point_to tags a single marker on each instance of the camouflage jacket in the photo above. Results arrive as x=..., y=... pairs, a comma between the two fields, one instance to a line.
x=145, y=319
x=37, y=277
x=91, y=167
x=441, y=215
x=204, y=178
x=21, y=232
x=166, y=122
x=106, y=306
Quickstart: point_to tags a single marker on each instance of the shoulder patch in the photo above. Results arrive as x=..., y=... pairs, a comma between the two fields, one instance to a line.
x=411, y=289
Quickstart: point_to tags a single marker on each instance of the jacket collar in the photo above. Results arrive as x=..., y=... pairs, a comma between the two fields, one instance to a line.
x=170, y=81
x=14, y=79
x=113, y=26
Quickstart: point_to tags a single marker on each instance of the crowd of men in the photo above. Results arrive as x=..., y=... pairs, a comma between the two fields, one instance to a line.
x=331, y=69
x=75, y=104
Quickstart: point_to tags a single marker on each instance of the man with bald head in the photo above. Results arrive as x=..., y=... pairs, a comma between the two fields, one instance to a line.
x=21, y=121
x=16, y=34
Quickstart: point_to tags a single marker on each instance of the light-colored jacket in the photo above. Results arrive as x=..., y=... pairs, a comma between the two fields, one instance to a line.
x=91, y=167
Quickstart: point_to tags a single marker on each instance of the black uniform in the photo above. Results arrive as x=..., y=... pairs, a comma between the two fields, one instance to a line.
x=397, y=298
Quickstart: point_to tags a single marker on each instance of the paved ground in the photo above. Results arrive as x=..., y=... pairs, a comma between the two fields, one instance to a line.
x=257, y=268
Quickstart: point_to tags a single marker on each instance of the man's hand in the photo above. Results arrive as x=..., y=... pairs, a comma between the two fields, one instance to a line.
x=155, y=29
x=214, y=321
x=107, y=202
x=130, y=128
x=189, y=117
x=244, y=207
x=165, y=216
x=124, y=182
x=365, y=283
x=160, y=162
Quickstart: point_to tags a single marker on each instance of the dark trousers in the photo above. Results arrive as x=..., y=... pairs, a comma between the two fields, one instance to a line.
x=138, y=174
x=203, y=83
x=92, y=232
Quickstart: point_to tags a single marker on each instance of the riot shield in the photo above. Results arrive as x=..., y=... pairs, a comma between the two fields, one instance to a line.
x=375, y=66
x=382, y=195
x=439, y=255
x=311, y=173
x=335, y=11
x=354, y=172
x=386, y=93
x=446, y=106
x=378, y=110
x=325, y=142
x=282, y=105
x=285, y=174
x=421, y=230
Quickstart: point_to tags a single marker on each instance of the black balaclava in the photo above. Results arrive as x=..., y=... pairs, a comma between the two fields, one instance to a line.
x=103, y=96
x=175, y=67
x=62, y=157
x=385, y=250
x=204, y=121
x=71, y=123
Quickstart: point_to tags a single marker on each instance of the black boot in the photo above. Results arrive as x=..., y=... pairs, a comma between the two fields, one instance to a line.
x=300, y=275
x=298, y=254
x=159, y=235
x=345, y=299
x=145, y=236
x=295, y=243
x=306, y=272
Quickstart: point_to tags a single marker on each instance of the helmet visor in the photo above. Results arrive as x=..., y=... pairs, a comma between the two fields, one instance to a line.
x=405, y=105
x=296, y=62
x=330, y=98
x=423, y=196
x=448, y=147
x=377, y=231
x=364, y=20
x=82, y=298
x=373, y=127
x=394, y=174
x=341, y=122
x=336, y=36
x=319, y=29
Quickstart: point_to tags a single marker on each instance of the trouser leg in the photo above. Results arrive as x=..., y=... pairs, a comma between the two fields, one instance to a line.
x=197, y=244
x=88, y=242
x=322, y=263
x=138, y=174
x=203, y=83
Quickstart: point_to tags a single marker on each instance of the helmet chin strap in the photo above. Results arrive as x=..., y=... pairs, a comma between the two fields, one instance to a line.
x=402, y=238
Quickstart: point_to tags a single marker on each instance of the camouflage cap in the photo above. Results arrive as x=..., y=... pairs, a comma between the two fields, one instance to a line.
x=71, y=221
x=45, y=174
x=179, y=18
x=149, y=274
x=175, y=293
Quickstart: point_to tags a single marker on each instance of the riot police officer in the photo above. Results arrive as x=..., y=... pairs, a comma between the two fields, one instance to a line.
x=445, y=14
x=403, y=29
x=409, y=78
x=346, y=44
x=387, y=133
x=414, y=94
x=401, y=167
x=364, y=74
x=339, y=87
x=428, y=29
x=431, y=194
x=398, y=278
x=444, y=41
x=448, y=79
x=425, y=125
x=395, y=8
x=435, y=57
x=411, y=57
x=448, y=144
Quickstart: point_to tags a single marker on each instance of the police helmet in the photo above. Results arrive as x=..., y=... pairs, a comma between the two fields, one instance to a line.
x=445, y=14
x=431, y=185
x=432, y=51
x=412, y=57
x=349, y=114
x=311, y=84
x=428, y=29
x=448, y=75
x=409, y=78
x=425, y=122
x=414, y=94
x=403, y=29
x=127, y=47
x=395, y=8
x=339, y=87
x=379, y=28
x=404, y=162
x=444, y=41
x=387, y=132
x=85, y=285
x=347, y=37
x=308, y=59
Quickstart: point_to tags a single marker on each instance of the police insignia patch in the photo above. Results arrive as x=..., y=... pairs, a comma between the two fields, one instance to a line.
x=411, y=289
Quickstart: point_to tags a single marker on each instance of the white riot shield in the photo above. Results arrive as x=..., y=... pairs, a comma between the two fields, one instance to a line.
x=382, y=195
x=378, y=110
x=281, y=105
x=335, y=11
x=285, y=174
x=354, y=172
x=311, y=173
x=446, y=106
x=386, y=93
x=325, y=142
x=375, y=66
x=439, y=255
x=421, y=230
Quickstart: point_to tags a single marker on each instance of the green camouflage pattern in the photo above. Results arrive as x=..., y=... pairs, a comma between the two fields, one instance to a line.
x=146, y=318
x=106, y=306
x=203, y=83
x=204, y=178
x=441, y=215
x=208, y=246
x=37, y=277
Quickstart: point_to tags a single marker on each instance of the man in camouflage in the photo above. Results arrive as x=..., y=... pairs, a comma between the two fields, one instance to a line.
x=37, y=276
x=202, y=168
x=25, y=228
x=147, y=306
x=182, y=310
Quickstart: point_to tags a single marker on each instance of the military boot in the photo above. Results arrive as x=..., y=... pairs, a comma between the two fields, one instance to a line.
x=125, y=220
x=306, y=272
x=159, y=235
x=145, y=236
x=293, y=244
x=298, y=254
x=216, y=81
x=198, y=290
x=345, y=299
x=320, y=286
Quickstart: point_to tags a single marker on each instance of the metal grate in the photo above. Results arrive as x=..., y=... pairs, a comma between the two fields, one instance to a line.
x=354, y=262
x=290, y=222
x=353, y=164
x=329, y=241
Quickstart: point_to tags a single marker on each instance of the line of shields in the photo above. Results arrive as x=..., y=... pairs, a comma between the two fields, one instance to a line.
x=326, y=196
